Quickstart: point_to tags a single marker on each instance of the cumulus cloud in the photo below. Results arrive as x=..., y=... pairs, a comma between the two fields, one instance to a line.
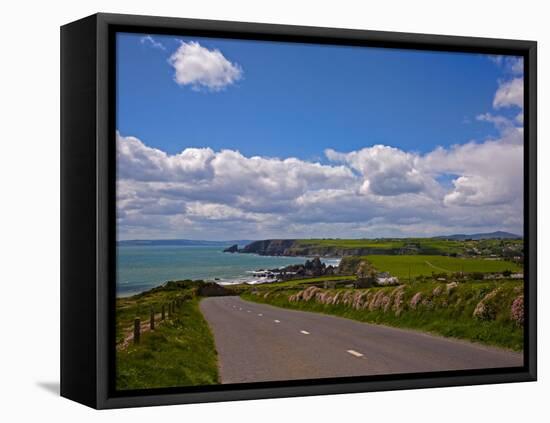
x=137, y=161
x=199, y=67
x=516, y=65
x=509, y=93
x=374, y=191
x=152, y=42
x=385, y=170
x=511, y=130
x=491, y=173
x=217, y=185
x=519, y=118
x=473, y=190
x=380, y=188
x=511, y=64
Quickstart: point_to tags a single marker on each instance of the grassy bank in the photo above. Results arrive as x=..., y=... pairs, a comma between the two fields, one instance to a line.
x=179, y=352
x=475, y=311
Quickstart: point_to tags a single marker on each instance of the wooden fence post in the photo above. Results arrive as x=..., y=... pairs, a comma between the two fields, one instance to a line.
x=162, y=316
x=137, y=329
x=152, y=320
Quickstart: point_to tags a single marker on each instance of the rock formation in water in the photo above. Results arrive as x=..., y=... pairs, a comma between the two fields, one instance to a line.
x=233, y=249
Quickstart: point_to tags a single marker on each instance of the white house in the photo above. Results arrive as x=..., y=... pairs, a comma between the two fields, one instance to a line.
x=388, y=280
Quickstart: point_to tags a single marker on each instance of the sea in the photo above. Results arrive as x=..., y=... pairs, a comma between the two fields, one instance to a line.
x=142, y=267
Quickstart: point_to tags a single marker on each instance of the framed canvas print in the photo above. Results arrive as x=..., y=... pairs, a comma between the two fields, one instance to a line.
x=255, y=211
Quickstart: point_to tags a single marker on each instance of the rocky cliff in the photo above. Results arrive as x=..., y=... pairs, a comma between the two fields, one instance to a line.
x=270, y=247
x=233, y=249
x=292, y=247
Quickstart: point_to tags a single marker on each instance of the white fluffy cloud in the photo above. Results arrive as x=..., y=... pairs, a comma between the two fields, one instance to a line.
x=204, y=185
x=376, y=190
x=509, y=93
x=511, y=130
x=139, y=162
x=511, y=64
x=199, y=67
x=386, y=170
x=490, y=173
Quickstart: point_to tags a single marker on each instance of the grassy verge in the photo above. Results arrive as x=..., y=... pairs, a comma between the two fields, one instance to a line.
x=429, y=307
x=179, y=352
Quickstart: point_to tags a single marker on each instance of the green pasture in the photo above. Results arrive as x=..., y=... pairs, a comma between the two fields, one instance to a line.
x=423, y=265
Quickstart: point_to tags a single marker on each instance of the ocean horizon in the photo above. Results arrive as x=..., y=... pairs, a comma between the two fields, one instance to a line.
x=142, y=267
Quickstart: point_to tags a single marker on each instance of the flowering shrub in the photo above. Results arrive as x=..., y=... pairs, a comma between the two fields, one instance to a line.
x=482, y=312
x=386, y=302
x=451, y=286
x=415, y=300
x=367, y=299
x=485, y=309
x=310, y=292
x=398, y=300
x=347, y=297
x=358, y=299
x=437, y=290
x=516, y=311
x=376, y=301
x=324, y=298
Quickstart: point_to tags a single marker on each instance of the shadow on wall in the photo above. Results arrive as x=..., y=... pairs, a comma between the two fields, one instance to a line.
x=51, y=387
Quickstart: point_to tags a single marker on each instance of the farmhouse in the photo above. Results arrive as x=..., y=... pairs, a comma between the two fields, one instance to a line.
x=385, y=278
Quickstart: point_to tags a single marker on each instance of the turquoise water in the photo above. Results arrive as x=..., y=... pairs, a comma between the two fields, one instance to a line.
x=140, y=268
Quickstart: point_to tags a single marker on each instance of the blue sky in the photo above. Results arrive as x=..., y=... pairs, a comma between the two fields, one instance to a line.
x=298, y=99
x=353, y=142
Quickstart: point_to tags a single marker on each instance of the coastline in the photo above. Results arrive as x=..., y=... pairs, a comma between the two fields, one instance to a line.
x=243, y=277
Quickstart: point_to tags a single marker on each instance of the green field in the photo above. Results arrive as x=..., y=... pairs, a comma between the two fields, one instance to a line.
x=421, y=265
x=351, y=243
x=419, y=245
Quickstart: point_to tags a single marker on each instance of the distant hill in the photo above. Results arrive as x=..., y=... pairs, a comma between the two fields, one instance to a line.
x=183, y=242
x=490, y=235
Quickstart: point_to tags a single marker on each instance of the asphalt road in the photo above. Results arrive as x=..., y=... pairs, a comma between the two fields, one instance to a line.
x=259, y=342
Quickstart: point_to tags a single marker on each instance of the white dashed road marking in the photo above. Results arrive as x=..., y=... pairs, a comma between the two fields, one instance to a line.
x=355, y=353
x=305, y=332
x=260, y=314
x=248, y=311
x=277, y=321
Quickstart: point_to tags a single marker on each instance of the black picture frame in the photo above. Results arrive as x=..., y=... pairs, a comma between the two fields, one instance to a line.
x=88, y=209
